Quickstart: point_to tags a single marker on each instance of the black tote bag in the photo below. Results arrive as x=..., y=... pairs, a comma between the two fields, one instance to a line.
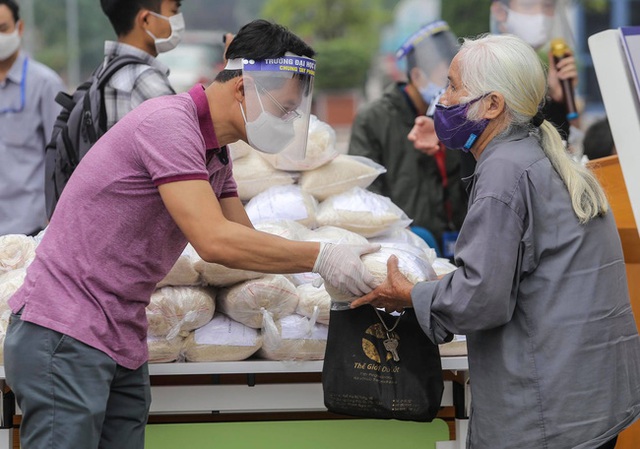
x=360, y=376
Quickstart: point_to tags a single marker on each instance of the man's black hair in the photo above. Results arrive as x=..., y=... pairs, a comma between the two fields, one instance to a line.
x=122, y=13
x=262, y=39
x=13, y=6
x=598, y=141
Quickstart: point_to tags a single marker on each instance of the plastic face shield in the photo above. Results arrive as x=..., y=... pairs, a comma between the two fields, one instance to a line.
x=429, y=52
x=278, y=96
x=534, y=21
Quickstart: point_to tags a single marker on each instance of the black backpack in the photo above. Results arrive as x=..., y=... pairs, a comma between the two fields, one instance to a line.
x=81, y=122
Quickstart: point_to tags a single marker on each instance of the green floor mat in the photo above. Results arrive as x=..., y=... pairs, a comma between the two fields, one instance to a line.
x=321, y=434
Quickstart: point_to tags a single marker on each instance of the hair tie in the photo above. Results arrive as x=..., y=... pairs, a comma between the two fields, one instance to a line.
x=537, y=119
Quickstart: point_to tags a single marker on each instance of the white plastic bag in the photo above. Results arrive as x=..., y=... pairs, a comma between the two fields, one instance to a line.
x=16, y=251
x=183, y=272
x=254, y=175
x=340, y=175
x=162, y=350
x=411, y=262
x=293, y=337
x=314, y=300
x=246, y=301
x=222, y=339
x=406, y=236
x=175, y=311
x=283, y=203
x=321, y=149
x=361, y=211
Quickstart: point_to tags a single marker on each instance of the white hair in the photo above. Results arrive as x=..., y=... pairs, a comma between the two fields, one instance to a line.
x=506, y=64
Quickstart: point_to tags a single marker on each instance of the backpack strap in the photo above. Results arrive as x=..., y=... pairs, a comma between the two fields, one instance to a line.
x=103, y=76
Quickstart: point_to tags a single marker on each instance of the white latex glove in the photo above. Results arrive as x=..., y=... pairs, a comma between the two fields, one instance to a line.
x=340, y=265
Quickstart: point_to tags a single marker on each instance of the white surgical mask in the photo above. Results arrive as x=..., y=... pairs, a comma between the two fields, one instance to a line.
x=532, y=28
x=268, y=133
x=9, y=44
x=164, y=44
x=429, y=92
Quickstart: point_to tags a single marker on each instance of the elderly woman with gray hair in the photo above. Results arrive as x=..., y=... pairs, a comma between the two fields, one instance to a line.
x=540, y=290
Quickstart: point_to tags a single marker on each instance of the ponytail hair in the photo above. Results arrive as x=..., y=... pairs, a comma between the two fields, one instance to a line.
x=506, y=64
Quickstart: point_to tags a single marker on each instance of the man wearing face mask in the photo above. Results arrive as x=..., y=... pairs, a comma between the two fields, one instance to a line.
x=76, y=351
x=144, y=28
x=27, y=114
x=425, y=185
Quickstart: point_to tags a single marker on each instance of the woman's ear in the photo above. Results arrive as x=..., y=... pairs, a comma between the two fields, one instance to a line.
x=494, y=104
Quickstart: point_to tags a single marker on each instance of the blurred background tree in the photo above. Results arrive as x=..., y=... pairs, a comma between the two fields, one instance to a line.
x=344, y=33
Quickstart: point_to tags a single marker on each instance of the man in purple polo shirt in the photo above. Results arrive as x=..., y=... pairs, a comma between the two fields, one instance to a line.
x=75, y=350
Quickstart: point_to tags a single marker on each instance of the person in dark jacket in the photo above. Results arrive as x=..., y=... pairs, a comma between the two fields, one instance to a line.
x=425, y=184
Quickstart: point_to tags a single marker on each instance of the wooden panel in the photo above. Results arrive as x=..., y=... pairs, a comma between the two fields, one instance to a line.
x=609, y=173
x=610, y=176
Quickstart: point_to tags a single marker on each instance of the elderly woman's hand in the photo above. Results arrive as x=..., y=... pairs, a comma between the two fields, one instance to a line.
x=394, y=294
x=423, y=135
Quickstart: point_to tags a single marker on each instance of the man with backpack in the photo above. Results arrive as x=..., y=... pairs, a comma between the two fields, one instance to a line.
x=129, y=75
x=76, y=346
x=27, y=114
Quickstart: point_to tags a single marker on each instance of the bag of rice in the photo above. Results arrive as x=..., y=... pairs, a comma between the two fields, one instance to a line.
x=442, y=266
x=321, y=148
x=218, y=275
x=183, y=271
x=238, y=150
x=456, y=347
x=361, y=211
x=293, y=337
x=288, y=229
x=411, y=263
x=10, y=282
x=163, y=350
x=254, y=175
x=334, y=234
x=245, y=302
x=175, y=311
x=16, y=251
x=283, y=203
x=340, y=175
x=405, y=235
x=314, y=301
x=221, y=340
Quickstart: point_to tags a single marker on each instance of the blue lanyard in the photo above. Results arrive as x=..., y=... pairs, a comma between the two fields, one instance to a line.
x=23, y=89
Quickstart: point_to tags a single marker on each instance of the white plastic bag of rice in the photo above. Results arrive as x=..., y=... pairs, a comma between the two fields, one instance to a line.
x=456, y=347
x=163, y=350
x=289, y=229
x=293, y=337
x=321, y=148
x=411, y=262
x=175, y=311
x=283, y=203
x=245, y=302
x=442, y=266
x=218, y=275
x=405, y=235
x=221, y=340
x=183, y=272
x=334, y=234
x=10, y=282
x=361, y=211
x=254, y=175
x=339, y=175
x=314, y=301
x=238, y=150
x=16, y=251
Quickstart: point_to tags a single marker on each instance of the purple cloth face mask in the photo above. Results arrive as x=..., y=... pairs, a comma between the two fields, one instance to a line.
x=454, y=129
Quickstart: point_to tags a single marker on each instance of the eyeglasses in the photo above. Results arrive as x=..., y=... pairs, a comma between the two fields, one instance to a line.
x=23, y=83
x=286, y=115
